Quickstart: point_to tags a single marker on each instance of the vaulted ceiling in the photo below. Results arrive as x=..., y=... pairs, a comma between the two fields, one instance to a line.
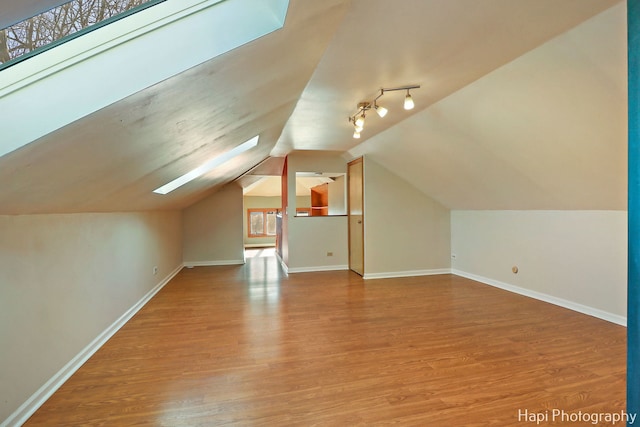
x=522, y=105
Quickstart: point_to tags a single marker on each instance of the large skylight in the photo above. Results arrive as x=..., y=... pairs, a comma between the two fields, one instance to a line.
x=208, y=166
x=60, y=24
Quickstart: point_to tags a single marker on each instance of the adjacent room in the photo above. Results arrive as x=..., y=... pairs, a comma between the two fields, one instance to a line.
x=291, y=212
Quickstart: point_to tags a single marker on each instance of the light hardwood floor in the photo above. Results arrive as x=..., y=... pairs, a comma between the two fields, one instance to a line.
x=246, y=345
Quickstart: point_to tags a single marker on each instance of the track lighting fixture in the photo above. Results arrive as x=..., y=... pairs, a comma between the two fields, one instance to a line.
x=358, y=118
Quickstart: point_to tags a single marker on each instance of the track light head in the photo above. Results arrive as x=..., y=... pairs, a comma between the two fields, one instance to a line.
x=408, y=101
x=381, y=110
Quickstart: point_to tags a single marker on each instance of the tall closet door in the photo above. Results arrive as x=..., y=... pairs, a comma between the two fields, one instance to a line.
x=356, y=216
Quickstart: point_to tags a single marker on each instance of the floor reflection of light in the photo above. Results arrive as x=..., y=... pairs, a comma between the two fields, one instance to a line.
x=260, y=253
x=263, y=274
x=185, y=405
x=263, y=315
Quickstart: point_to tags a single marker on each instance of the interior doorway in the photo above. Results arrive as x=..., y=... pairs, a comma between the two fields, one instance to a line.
x=355, y=198
x=262, y=203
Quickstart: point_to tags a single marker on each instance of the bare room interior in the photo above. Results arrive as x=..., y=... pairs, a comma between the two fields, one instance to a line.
x=337, y=212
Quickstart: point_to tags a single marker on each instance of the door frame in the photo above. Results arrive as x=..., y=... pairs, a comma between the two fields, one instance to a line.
x=349, y=164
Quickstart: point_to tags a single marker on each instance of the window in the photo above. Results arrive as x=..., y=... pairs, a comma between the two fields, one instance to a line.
x=261, y=222
x=26, y=38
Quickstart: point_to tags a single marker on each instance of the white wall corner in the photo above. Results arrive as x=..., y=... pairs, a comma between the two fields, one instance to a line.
x=31, y=405
x=580, y=308
x=284, y=266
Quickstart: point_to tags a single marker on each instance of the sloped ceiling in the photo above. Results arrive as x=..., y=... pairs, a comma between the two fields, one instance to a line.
x=500, y=120
x=442, y=45
x=113, y=159
x=546, y=131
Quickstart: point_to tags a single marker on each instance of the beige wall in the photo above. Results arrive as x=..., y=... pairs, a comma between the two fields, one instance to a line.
x=303, y=201
x=579, y=257
x=257, y=202
x=405, y=230
x=64, y=279
x=311, y=238
x=338, y=196
x=213, y=229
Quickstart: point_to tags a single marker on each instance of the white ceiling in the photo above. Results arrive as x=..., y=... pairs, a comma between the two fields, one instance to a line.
x=515, y=111
x=546, y=131
x=113, y=159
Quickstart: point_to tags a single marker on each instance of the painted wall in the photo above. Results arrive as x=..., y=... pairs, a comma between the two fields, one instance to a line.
x=311, y=238
x=303, y=201
x=579, y=257
x=213, y=229
x=257, y=202
x=337, y=195
x=64, y=279
x=405, y=230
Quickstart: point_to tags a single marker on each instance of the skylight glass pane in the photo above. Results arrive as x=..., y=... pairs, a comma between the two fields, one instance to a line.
x=208, y=166
x=61, y=24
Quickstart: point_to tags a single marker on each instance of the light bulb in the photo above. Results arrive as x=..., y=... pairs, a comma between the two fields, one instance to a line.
x=360, y=121
x=356, y=134
x=381, y=111
x=359, y=128
x=408, y=102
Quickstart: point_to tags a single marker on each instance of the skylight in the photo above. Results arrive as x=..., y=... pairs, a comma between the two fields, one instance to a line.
x=60, y=24
x=208, y=166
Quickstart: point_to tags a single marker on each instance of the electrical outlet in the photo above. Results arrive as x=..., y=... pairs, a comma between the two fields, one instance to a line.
x=329, y=253
x=155, y=270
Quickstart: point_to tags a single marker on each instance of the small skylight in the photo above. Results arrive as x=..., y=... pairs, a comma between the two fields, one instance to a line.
x=60, y=24
x=208, y=166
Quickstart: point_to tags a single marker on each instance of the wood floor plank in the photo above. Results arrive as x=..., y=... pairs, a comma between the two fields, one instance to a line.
x=248, y=345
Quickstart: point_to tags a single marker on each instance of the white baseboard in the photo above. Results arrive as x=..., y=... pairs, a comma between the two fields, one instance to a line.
x=318, y=268
x=284, y=266
x=28, y=408
x=191, y=264
x=409, y=273
x=591, y=311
